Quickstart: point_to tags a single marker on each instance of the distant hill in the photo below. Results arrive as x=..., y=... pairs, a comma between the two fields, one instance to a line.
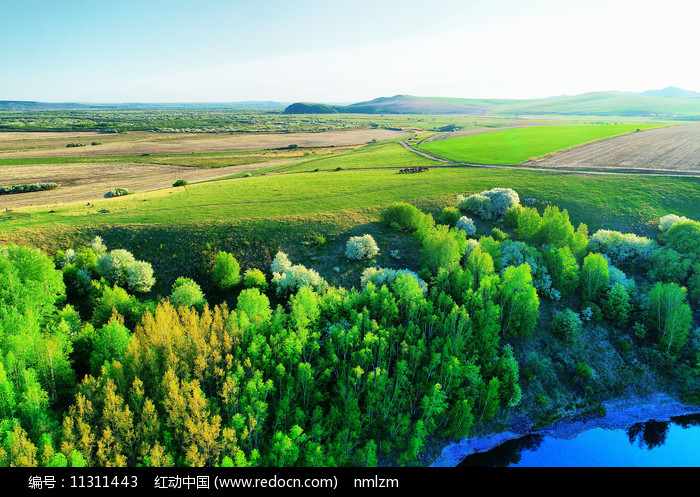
x=27, y=105
x=311, y=108
x=668, y=102
x=672, y=92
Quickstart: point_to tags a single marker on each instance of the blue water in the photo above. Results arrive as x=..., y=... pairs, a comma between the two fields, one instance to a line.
x=651, y=444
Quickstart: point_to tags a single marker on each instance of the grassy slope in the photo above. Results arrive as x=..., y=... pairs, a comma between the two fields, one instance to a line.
x=513, y=146
x=595, y=199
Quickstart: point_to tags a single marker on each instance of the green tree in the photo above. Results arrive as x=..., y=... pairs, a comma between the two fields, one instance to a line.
x=226, y=272
x=669, y=314
x=595, y=277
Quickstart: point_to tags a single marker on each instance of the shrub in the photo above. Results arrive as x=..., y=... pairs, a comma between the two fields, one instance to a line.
x=669, y=266
x=98, y=246
x=684, y=238
x=669, y=220
x=181, y=182
x=466, y=224
x=139, y=277
x=118, y=192
x=226, y=272
x=449, y=216
x=567, y=324
x=498, y=235
x=27, y=187
x=280, y=263
x=254, y=278
x=477, y=204
x=113, y=266
x=617, y=304
x=490, y=204
x=361, y=247
x=510, y=218
x=187, y=293
x=296, y=277
x=385, y=276
x=622, y=248
x=402, y=216
x=289, y=279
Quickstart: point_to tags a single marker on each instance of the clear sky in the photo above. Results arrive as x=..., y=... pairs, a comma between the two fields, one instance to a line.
x=330, y=51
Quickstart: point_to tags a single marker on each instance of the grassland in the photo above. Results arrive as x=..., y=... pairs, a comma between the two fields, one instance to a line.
x=595, y=199
x=513, y=146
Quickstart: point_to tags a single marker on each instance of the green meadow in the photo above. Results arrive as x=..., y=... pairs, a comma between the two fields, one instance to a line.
x=367, y=178
x=513, y=146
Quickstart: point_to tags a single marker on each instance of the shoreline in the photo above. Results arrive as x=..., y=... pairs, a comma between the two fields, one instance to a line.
x=620, y=414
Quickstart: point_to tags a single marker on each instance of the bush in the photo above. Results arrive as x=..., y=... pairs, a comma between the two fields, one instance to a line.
x=466, y=224
x=669, y=220
x=187, y=293
x=449, y=216
x=684, y=238
x=280, y=263
x=622, y=248
x=567, y=324
x=617, y=304
x=118, y=192
x=668, y=266
x=254, y=278
x=27, y=187
x=385, y=276
x=113, y=266
x=226, y=272
x=510, y=218
x=498, y=235
x=181, y=182
x=402, y=216
x=139, y=277
x=361, y=247
x=490, y=204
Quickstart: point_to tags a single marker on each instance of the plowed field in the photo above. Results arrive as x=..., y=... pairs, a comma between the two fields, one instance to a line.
x=670, y=148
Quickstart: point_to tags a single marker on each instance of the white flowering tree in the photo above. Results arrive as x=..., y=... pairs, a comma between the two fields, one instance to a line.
x=361, y=247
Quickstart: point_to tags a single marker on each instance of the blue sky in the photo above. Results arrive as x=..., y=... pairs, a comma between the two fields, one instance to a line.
x=215, y=51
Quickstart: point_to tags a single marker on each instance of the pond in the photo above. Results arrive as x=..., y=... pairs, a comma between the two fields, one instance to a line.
x=653, y=443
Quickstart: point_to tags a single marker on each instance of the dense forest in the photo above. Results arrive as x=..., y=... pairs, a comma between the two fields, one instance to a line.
x=291, y=371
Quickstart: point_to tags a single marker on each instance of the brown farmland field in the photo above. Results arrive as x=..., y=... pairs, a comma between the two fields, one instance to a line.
x=86, y=182
x=19, y=145
x=670, y=148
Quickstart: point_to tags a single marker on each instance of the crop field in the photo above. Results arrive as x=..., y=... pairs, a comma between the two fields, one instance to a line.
x=153, y=143
x=673, y=148
x=513, y=146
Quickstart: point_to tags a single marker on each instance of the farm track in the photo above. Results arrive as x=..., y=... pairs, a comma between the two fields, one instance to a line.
x=667, y=149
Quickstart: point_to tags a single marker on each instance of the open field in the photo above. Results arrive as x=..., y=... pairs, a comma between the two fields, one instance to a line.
x=513, y=146
x=672, y=148
x=154, y=143
x=599, y=200
x=86, y=182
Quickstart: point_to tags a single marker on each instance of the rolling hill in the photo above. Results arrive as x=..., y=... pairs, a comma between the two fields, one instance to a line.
x=669, y=102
